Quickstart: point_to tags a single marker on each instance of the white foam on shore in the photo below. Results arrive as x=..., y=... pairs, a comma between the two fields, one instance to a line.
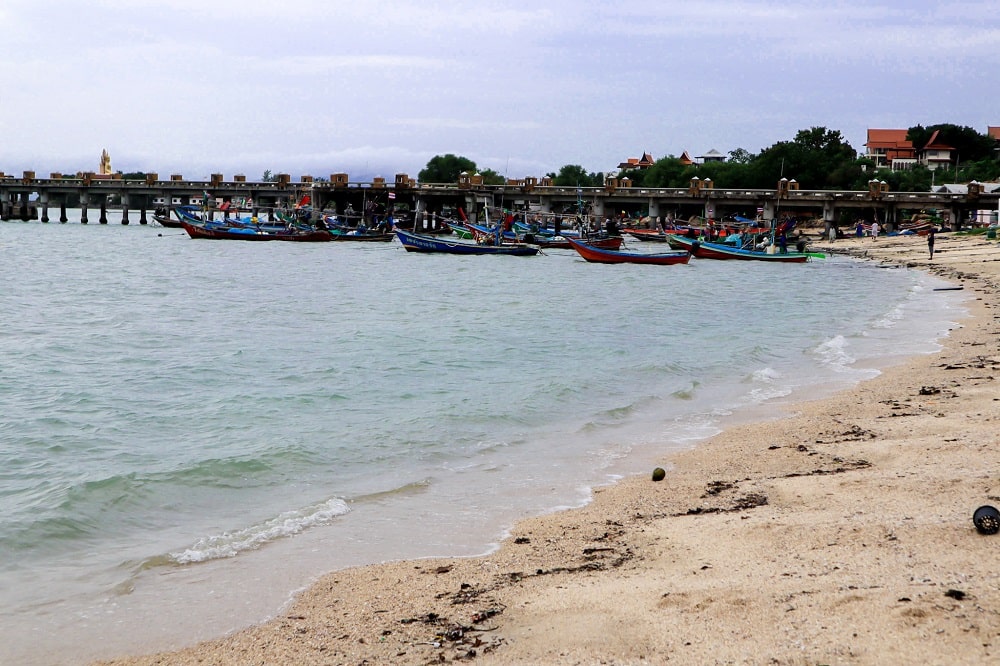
x=230, y=544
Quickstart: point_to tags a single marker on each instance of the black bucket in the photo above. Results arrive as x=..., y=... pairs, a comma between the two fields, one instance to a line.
x=987, y=519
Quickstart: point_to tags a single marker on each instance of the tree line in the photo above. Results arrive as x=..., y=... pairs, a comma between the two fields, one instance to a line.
x=817, y=159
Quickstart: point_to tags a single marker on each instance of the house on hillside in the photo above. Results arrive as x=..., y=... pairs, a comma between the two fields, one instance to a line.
x=935, y=154
x=712, y=156
x=890, y=149
x=637, y=163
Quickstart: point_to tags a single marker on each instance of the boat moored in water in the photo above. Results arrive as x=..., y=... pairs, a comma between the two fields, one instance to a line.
x=422, y=243
x=705, y=250
x=603, y=256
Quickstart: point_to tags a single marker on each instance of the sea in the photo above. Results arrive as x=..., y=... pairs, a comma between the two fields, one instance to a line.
x=191, y=431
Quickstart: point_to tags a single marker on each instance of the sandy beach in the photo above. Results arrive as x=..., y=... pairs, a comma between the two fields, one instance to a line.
x=841, y=534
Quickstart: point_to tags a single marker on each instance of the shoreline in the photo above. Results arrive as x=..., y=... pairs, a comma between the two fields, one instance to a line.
x=839, y=534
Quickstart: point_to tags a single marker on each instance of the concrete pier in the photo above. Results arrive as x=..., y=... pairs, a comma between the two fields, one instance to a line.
x=20, y=198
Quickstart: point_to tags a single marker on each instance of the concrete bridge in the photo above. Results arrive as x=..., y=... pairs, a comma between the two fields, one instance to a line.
x=30, y=197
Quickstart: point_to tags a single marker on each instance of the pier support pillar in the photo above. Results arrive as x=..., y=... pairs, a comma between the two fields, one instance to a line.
x=44, y=200
x=24, y=207
x=769, y=208
x=890, y=218
x=125, y=214
x=956, y=218
x=62, y=212
x=104, y=212
x=142, y=214
x=599, y=209
x=654, y=209
x=83, y=212
x=829, y=219
x=545, y=204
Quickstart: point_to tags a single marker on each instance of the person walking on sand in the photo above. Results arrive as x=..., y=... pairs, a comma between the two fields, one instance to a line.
x=930, y=241
x=874, y=230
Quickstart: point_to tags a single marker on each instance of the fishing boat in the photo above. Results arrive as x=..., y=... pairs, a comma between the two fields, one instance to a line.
x=649, y=236
x=423, y=243
x=563, y=242
x=460, y=230
x=162, y=217
x=221, y=232
x=482, y=234
x=358, y=235
x=705, y=250
x=550, y=232
x=601, y=256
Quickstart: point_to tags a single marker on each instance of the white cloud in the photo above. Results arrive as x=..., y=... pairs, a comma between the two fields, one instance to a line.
x=197, y=86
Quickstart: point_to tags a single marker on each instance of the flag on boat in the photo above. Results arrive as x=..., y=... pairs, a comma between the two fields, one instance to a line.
x=304, y=201
x=392, y=195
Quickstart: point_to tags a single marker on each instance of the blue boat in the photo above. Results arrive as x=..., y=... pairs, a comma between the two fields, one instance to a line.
x=421, y=243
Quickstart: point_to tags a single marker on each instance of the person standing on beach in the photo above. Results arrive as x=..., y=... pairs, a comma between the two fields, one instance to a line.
x=930, y=241
x=874, y=230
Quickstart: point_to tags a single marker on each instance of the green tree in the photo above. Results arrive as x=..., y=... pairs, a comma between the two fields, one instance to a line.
x=985, y=170
x=574, y=175
x=268, y=177
x=667, y=171
x=491, y=177
x=816, y=158
x=970, y=145
x=445, y=169
x=740, y=156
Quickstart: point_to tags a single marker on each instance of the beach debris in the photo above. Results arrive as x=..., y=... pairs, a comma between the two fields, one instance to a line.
x=929, y=390
x=659, y=474
x=987, y=519
x=716, y=487
x=957, y=595
x=748, y=501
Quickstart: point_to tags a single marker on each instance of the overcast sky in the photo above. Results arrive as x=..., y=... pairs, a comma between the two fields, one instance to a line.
x=379, y=87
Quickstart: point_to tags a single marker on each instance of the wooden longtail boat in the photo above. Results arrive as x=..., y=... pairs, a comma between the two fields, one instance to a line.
x=460, y=230
x=421, y=243
x=601, y=256
x=249, y=234
x=703, y=250
x=486, y=235
x=563, y=242
x=369, y=236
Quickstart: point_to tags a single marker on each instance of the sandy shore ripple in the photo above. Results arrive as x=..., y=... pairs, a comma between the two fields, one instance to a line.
x=842, y=534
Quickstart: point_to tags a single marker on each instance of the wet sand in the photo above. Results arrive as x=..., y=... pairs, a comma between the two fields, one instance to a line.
x=840, y=535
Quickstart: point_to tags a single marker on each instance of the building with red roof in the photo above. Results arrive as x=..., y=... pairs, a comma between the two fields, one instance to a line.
x=936, y=154
x=634, y=163
x=890, y=149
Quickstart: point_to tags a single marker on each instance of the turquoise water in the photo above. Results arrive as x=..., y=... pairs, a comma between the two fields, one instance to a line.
x=193, y=430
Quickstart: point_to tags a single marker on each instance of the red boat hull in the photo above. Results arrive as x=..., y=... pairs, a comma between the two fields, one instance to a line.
x=600, y=256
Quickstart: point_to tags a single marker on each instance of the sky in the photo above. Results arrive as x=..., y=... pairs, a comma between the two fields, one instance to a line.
x=376, y=88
